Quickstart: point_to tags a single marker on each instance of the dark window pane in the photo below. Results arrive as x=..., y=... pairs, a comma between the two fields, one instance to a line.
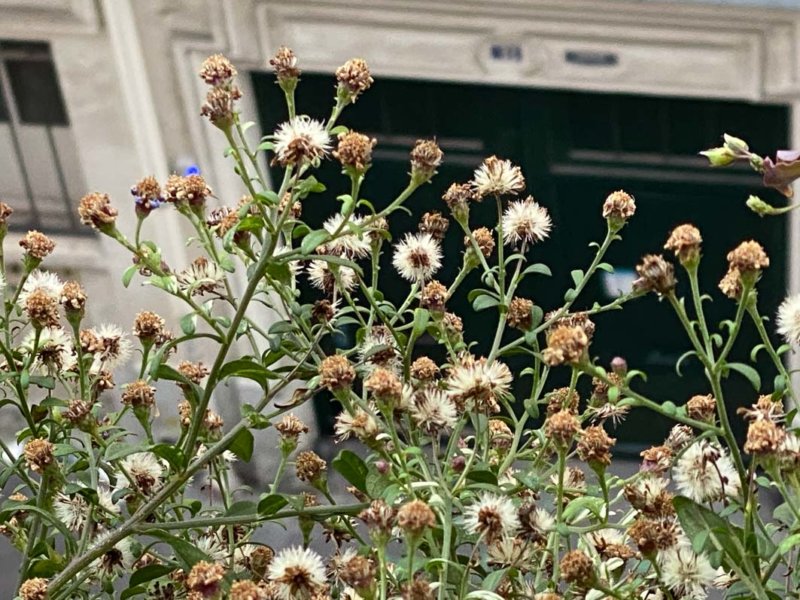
x=36, y=92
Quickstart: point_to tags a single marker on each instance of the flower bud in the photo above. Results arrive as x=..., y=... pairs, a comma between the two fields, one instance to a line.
x=719, y=157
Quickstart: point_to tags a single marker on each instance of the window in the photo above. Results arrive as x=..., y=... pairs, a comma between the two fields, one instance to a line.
x=39, y=172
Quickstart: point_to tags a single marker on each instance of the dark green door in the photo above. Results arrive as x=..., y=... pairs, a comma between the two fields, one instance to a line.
x=574, y=148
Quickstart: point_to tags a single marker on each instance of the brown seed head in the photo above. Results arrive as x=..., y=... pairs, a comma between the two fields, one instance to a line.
x=562, y=399
x=655, y=275
x=310, y=467
x=685, y=242
x=245, y=589
x=194, y=372
x=748, y=257
x=619, y=206
x=217, y=70
x=731, y=284
x=651, y=535
x=148, y=326
x=354, y=78
x=290, y=427
x=384, y=385
x=435, y=224
x=322, y=311
x=424, y=369
x=205, y=579
x=284, y=63
x=419, y=589
x=484, y=239
x=500, y=434
x=415, y=516
x=359, y=572
x=33, y=589
x=189, y=188
x=336, y=372
x=577, y=568
x=139, y=394
x=565, y=344
x=453, y=323
x=764, y=437
x=594, y=446
x=73, y=297
x=702, y=408
x=78, y=412
x=657, y=459
x=355, y=150
x=37, y=245
x=96, y=211
x=39, y=454
x=5, y=212
x=458, y=196
x=220, y=106
x=42, y=308
x=434, y=295
x=426, y=156
x=260, y=559
x=519, y=313
x=561, y=427
x=379, y=517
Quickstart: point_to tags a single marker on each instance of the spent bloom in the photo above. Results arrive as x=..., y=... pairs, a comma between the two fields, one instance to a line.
x=497, y=177
x=705, y=473
x=525, y=221
x=348, y=241
x=330, y=277
x=491, y=516
x=353, y=79
x=301, y=139
x=299, y=572
x=426, y=156
x=417, y=257
x=685, y=572
x=145, y=471
x=478, y=384
x=788, y=320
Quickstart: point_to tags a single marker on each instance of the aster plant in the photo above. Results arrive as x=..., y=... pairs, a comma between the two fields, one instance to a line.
x=458, y=477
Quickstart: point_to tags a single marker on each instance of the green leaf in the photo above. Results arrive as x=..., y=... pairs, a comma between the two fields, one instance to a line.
x=697, y=520
x=269, y=504
x=170, y=453
x=242, y=445
x=188, y=323
x=350, y=466
x=187, y=554
x=242, y=508
x=149, y=573
x=577, y=276
x=606, y=267
x=788, y=543
x=313, y=240
x=483, y=302
x=421, y=317
x=128, y=274
x=493, y=579
x=482, y=476
x=540, y=268
x=683, y=357
x=749, y=372
x=247, y=369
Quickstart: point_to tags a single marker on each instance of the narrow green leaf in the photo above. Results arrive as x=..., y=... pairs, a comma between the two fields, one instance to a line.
x=242, y=445
x=749, y=372
x=313, y=240
x=350, y=466
x=269, y=504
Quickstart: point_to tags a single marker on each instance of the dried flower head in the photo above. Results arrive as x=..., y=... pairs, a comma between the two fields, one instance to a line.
x=435, y=224
x=5, y=212
x=433, y=411
x=748, y=257
x=578, y=568
x=330, y=277
x=731, y=284
x=220, y=106
x=78, y=413
x=39, y=454
x=310, y=466
x=484, y=238
x=336, y=372
x=565, y=344
x=702, y=408
x=33, y=589
x=685, y=242
x=653, y=534
x=519, y=313
x=705, y=473
x=147, y=195
x=384, y=385
x=562, y=427
x=764, y=437
x=788, y=319
x=655, y=275
x=355, y=150
x=346, y=241
x=418, y=589
x=433, y=297
x=477, y=384
x=73, y=298
x=353, y=79
x=426, y=156
x=618, y=207
x=492, y=517
x=686, y=573
x=291, y=427
x=525, y=221
x=500, y=434
x=415, y=517
x=42, y=308
x=594, y=446
x=301, y=140
x=187, y=188
x=217, y=70
x=194, y=372
x=457, y=197
x=360, y=423
x=139, y=394
x=37, y=245
x=96, y=211
x=110, y=347
x=298, y=572
x=562, y=399
x=657, y=459
x=379, y=517
x=497, y=177
x=145, y=471
x=245, y=589
x=417, y=257
x=149, y=327
x=424, y=369
x=205, y=580
x=284, y=63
